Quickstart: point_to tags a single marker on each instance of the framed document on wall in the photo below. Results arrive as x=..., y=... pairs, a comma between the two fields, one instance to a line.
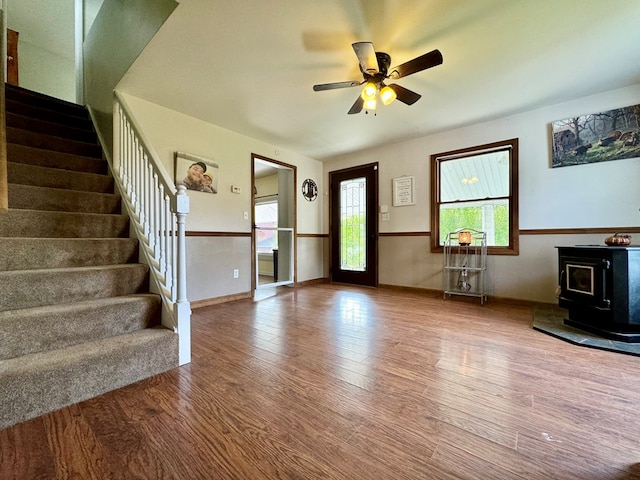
x=403, y=192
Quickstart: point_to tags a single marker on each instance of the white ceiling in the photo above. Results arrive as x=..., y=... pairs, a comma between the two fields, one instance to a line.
x=249, y=66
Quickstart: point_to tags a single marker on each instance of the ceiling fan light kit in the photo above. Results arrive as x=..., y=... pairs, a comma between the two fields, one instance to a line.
x=370, y=104
x=369, y=91
x=387, y=94
x=375, y=67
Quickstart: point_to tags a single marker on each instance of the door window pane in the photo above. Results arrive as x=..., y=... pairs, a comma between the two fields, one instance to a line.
x=353, y=225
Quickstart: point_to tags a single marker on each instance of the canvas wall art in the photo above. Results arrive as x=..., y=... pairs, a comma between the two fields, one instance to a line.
x=597, y=137
x=196, y=173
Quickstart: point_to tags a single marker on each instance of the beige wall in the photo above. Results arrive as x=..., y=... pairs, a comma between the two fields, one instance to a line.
x=210, y=265
x=601, y=195
x=212, y=259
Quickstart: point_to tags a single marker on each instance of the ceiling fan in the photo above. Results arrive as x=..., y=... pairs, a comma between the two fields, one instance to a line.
x=375, y=70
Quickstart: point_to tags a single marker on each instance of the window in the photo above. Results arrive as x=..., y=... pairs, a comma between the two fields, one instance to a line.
x=477, y=188
x=266, y=225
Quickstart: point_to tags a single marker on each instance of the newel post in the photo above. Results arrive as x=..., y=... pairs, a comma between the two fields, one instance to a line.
x=183, y=308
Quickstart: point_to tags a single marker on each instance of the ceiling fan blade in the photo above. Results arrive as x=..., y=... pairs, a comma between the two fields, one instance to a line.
x=405, y=95
x=367, y=57
x=333, y=86
x=418, y=64
x=357, y=107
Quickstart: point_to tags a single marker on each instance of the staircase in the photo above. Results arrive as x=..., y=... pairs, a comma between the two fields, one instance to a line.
x=76, y=316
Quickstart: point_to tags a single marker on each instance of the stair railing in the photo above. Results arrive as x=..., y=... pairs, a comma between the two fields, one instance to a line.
x=158, y=210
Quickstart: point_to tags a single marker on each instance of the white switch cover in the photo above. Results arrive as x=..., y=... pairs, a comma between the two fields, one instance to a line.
x=384, y=208
x=385, y=217
x=245, y=215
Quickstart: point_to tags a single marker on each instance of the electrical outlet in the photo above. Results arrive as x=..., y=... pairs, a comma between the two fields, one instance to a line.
x=245, y=215
x=236, y=273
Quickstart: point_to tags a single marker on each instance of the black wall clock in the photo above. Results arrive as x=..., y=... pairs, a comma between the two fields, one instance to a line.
x=309, y=190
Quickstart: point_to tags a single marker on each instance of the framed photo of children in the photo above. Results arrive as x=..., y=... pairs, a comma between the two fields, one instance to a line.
x=196, y=173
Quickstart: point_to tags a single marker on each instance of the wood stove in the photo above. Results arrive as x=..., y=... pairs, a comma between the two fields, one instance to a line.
x=600, y=288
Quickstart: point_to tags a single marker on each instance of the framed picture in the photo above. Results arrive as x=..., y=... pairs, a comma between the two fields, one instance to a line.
x=196, y=173
x=403, y=191
x=596, y=137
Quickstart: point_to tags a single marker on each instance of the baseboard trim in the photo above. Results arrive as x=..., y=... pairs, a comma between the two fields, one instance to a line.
x=398, y=288
x=439, y=293
x=243, y=295
x=217, y=300
x=315, y=281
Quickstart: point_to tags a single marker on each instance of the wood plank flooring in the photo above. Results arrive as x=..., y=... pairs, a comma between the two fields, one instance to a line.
x=335, y=382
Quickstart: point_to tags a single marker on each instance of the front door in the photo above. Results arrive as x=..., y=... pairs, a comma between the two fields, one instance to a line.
x=354, y=225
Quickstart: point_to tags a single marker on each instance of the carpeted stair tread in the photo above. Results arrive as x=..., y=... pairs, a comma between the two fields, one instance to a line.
x=41, y=224
x=35, y=288
x=76, y=316
x=37, y=329
x=62, y=200
x=47, y=158
x=82, y=121
x=41, y=100
x=24, y=174
x=23, y=122
x=73, y=374
x=50, y=142
x=26, y=253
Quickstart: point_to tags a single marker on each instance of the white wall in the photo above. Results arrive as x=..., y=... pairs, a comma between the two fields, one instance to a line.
x=590, y=196
x=211, y=259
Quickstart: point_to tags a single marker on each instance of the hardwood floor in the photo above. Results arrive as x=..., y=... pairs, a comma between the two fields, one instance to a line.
x=333, y=382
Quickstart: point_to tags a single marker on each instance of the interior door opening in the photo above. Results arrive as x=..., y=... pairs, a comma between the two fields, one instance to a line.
x=274, y=222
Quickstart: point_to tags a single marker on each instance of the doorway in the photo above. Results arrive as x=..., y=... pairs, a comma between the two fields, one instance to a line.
x=12, y=57
x=274, y=223
x=354, y=225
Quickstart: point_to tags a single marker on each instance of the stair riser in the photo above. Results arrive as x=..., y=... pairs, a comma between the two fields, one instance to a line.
x=33, y=111
x=37, y=384
x=35, y=330
x=37, y=224
x=37, y=253
x=56, y=199
x=39, y=100
x=49, y=128
x=35, y=288
x=60, y=160
x=48, y=142
x=24, y=174
x=76, y=318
